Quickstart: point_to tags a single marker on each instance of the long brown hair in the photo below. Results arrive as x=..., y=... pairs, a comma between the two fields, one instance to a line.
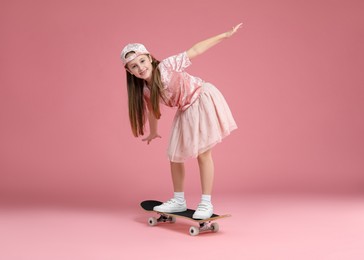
x=136, y=102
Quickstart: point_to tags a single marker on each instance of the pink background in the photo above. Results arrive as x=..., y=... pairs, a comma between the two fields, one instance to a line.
x=293, y=77
x=72, y=174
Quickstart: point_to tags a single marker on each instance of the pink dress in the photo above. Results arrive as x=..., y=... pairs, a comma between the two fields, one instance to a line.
x=203, y=117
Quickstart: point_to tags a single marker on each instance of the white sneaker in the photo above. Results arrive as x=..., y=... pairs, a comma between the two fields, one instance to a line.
x=171, y=206
x=203, y=211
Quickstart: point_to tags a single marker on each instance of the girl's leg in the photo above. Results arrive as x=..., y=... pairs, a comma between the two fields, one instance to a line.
x=178, y=176
x=178, y=203
x=206, y=165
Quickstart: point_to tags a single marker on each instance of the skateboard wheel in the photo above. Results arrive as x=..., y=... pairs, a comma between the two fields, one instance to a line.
x=173, y=219
x=152, y=221
x=194, y=231
x=215, y=227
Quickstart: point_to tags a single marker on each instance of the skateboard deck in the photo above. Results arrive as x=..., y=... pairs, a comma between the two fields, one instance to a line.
x=204, y=224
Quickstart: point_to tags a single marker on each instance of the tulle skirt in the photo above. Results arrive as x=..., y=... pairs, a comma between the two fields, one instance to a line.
x=201, y=126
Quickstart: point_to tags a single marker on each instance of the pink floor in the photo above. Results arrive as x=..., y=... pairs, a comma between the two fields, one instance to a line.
x=262, y=227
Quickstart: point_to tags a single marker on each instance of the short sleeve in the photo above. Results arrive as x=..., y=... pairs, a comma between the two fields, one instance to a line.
x=177, y=62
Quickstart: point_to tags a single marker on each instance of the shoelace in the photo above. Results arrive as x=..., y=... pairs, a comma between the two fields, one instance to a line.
x=171, y=201
x=202, y=207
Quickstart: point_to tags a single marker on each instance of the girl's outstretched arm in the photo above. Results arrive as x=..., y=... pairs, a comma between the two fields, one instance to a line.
x=204, y=45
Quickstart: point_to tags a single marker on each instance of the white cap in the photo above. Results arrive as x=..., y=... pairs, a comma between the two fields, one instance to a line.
x=137, y=48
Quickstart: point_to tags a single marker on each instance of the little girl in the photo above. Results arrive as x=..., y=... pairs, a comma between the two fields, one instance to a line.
x=202, y=120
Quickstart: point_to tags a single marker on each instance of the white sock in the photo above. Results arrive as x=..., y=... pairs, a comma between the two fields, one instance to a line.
x=179, y=196
x=206, y=198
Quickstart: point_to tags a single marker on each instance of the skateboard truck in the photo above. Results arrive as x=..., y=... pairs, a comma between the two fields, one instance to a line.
x=162, y=218
x=204, y=227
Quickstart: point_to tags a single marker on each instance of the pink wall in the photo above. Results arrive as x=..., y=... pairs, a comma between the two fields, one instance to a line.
x=292, y=76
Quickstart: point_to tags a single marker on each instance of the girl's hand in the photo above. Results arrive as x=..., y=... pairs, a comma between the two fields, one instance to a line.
x=151, y=137
x=233, y=30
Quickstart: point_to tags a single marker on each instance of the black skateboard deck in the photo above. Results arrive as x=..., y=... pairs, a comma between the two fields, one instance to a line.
x=204, y=224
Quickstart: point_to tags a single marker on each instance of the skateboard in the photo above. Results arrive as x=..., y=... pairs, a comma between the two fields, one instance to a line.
x=204, y=225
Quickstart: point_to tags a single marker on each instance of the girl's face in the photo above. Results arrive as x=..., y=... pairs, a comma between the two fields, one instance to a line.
x=141, y=67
